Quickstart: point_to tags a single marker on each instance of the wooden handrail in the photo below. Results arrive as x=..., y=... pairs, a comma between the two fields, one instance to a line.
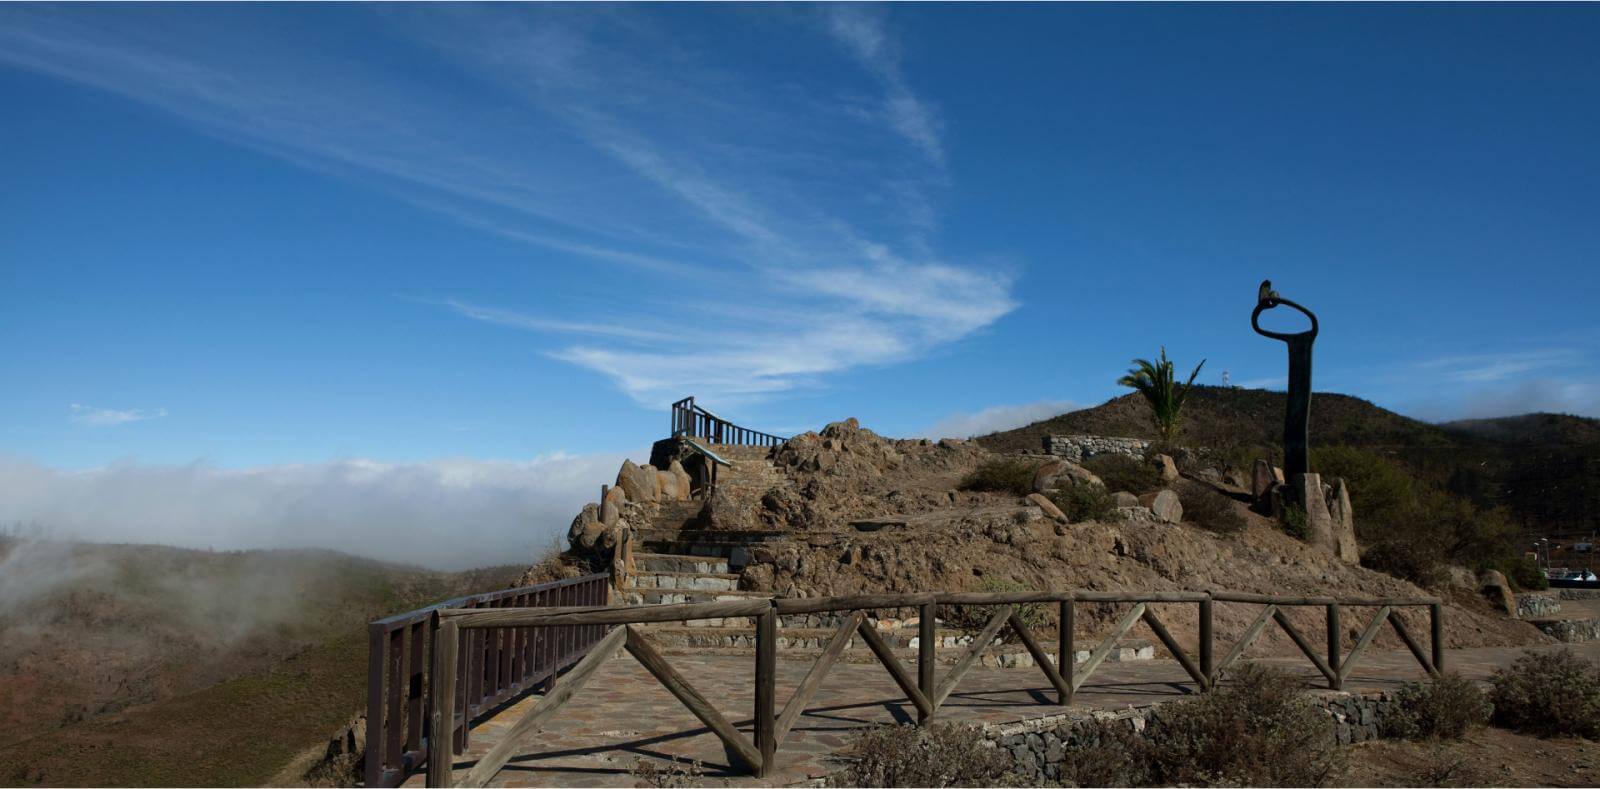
x=695, y=421
x=772, y=725
x=506, y=664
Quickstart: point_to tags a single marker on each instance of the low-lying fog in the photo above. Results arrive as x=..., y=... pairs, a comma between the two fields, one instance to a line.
x=441, y=514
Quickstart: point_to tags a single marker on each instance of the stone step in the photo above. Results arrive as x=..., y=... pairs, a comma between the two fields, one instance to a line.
x=678, y=563
x=633, y=595
x=702, y=582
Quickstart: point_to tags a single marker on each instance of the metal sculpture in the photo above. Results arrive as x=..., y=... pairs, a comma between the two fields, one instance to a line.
x=1297, y=416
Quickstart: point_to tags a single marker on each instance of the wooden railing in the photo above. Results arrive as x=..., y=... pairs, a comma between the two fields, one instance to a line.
x=502, y=664
x=924, y=690
x=691, y=420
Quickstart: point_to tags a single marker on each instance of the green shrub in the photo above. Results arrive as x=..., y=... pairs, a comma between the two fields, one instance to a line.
x=1120, y=472
x=1210, y=510
x=1107, y=753
x=1548, y=693
x=1446, y=708
x=1255, y=730
x=939, y=754
x=972, y=618
x=1406, y=557
x=1007, y=475
x=1084, y=501
x=1295, y=523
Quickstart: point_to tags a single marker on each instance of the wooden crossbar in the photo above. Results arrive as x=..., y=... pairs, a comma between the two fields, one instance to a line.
x=1244, y=642
x=742, y=749
x=808, y=686
x=516, y=739
x=1367, y=635
x=1099, y=654
x=1040, y=657
x=1411, y=644
x=970, y=657
x=1305, y=646
x=1177, y=651
x=885, y=655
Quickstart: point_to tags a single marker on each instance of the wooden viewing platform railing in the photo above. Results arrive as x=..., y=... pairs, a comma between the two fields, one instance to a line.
x=694, y=421
x=924, y=690
x=502, y=664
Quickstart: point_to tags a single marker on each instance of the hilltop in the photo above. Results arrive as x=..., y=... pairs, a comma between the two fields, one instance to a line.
x=1545, y=468
x=152, y=665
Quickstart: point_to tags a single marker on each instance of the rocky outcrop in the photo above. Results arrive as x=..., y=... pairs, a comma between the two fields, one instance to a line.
x=638, y=482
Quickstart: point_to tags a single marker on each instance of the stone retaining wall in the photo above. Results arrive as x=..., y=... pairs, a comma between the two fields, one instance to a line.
x=1578, y=594
x=1537, y=605
x=1571, y=631
x=1078, y=448
x=1039, y=746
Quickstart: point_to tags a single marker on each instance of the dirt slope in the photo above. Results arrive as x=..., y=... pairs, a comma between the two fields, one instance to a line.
x=942, y=538
x=149, y=665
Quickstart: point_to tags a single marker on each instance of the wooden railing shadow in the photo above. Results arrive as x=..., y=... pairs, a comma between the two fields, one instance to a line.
x=925, y=689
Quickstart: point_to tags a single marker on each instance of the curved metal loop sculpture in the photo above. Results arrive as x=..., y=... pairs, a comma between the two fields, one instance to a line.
x=1297, y=415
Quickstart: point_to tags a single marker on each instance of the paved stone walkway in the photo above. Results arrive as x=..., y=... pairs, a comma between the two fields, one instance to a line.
x=623, y=716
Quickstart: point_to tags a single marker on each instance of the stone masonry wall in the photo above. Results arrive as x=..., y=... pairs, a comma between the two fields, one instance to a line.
x=1537, y=605
x=1039, y=746
x=1077, y=448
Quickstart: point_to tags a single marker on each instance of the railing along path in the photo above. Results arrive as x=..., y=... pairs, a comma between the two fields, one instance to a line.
x=925, y=691
x=502, y=663
x=694, y=421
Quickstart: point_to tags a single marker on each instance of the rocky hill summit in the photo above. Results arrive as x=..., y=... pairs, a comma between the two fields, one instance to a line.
x=845, y=510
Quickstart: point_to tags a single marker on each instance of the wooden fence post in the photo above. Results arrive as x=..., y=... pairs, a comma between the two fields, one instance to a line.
x=766, y=687
x=442, y=696
x=926, y=633
x=1066, y=652
x=1333, y=647
x=1437, y=616
x=1206, y=641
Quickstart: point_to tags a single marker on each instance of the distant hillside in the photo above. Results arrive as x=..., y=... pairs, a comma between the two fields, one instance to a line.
x=149, y=665
x=1544, y=467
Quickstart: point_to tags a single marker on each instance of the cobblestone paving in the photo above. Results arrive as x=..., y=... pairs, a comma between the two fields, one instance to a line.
x=623, y=715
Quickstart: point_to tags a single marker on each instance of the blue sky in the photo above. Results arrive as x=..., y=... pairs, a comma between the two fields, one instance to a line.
x=262, y=236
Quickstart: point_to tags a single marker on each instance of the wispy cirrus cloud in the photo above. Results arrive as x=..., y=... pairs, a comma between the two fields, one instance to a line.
x=601, y=138
x=860, y=28
x=108, y=417
x=1492, y=367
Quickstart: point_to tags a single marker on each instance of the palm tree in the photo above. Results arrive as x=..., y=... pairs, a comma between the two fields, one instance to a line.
x=1159, y=387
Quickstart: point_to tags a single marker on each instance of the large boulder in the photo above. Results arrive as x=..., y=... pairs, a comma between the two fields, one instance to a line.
x=1168, y=469
x=589, y=514
x=1498, y=591
x=1052, y=474
x=1344, y=523
x=1123, y=498
x=1047, y=506
x=638, y=482
x=1306, y=491
x=611, y=506
x=667, y=485
x=1164, y=504
x=685, y=483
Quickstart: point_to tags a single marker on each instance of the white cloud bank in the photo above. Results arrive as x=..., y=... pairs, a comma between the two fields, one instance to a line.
x=1000, y=417
x=442, y=514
